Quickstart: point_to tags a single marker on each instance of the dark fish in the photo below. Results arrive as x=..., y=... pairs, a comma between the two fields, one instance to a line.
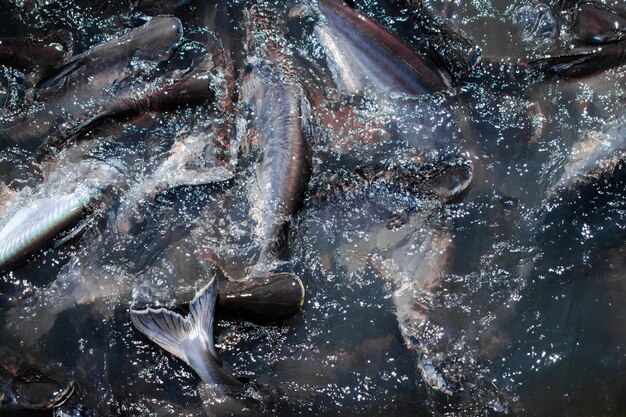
x=105, y=63
x=595, y=23
x=280, y=126
x=191, y=161
x=446, y=45
x=443, y=180
x=594, y=157
x=274, y=297
x=79, y=89
x=168, y=92
x=271, y=298
x=361, y=53
x=28, y=387
x=36, y=54
x=583, y=62
x=190, y=338
x=598, y=42
x=405, y=237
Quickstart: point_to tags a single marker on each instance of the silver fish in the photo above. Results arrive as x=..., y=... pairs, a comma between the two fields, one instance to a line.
x=78, y=90
x=362, y=53
x=35, y=225
x=280, y=126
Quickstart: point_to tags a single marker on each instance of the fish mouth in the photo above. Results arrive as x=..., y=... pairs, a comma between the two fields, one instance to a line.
x=61, y=398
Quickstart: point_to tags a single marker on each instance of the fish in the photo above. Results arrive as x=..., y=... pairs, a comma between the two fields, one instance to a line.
x=38, y=223
x=596, y=154
x=401, y=231
x=274, y=116
x=190, y=338
x=443, y=179
x=192, y=161
x=593, y=22
x=37, y=55
x=446, y=45
x=74, y=191
x=583, y=62
x=362, y=53
x=598, y=41
x=28, y=386
x=176, y=89
x=404, y=100
x=77, y=90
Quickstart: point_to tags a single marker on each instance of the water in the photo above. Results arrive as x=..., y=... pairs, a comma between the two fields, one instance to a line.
x=527, y=315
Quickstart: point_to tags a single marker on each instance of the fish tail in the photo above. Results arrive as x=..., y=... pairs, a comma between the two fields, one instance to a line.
x=188, y=338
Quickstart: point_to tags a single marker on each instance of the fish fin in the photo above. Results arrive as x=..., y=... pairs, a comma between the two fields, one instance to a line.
x=579, y=64
x=189, y=338
x=182, y=336
x=60, y=74
x=76, y=232
x=191, y=176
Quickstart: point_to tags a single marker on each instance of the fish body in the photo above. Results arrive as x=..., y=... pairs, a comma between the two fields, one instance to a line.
x=191, y=161
x=36, y=56
x=280, y=125
x=595, y=23
x=28, y=386
x=363, y=53
x=392, y=220
x=29, y=222
x=596, y=156
x=78, y=90
x=583, y=62
x=40, y=222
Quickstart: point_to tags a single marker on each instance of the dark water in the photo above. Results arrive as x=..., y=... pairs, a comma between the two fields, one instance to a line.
x=527, y=319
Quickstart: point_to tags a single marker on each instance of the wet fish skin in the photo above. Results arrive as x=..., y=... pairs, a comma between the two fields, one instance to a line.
x=30, y=386
x=152, y=41
x=36, y=225
x=583, y=62
x=447, y=47
x=281, y=127
x=189, y=163
x=266, y=299
x=361, y=48
x=79, y=88
x=409, y=245
x=597, y=24
x=590, y=21
x=593, y=158
x=168, y=92
x=36, y=54
x=443, y=179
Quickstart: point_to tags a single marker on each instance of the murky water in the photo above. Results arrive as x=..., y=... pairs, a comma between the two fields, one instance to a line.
x=515, y=288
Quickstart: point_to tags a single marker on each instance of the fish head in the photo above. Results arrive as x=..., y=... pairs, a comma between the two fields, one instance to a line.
x=37, y=390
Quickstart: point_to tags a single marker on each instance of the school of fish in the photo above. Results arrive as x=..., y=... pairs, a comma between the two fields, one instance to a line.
x=172, y=164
